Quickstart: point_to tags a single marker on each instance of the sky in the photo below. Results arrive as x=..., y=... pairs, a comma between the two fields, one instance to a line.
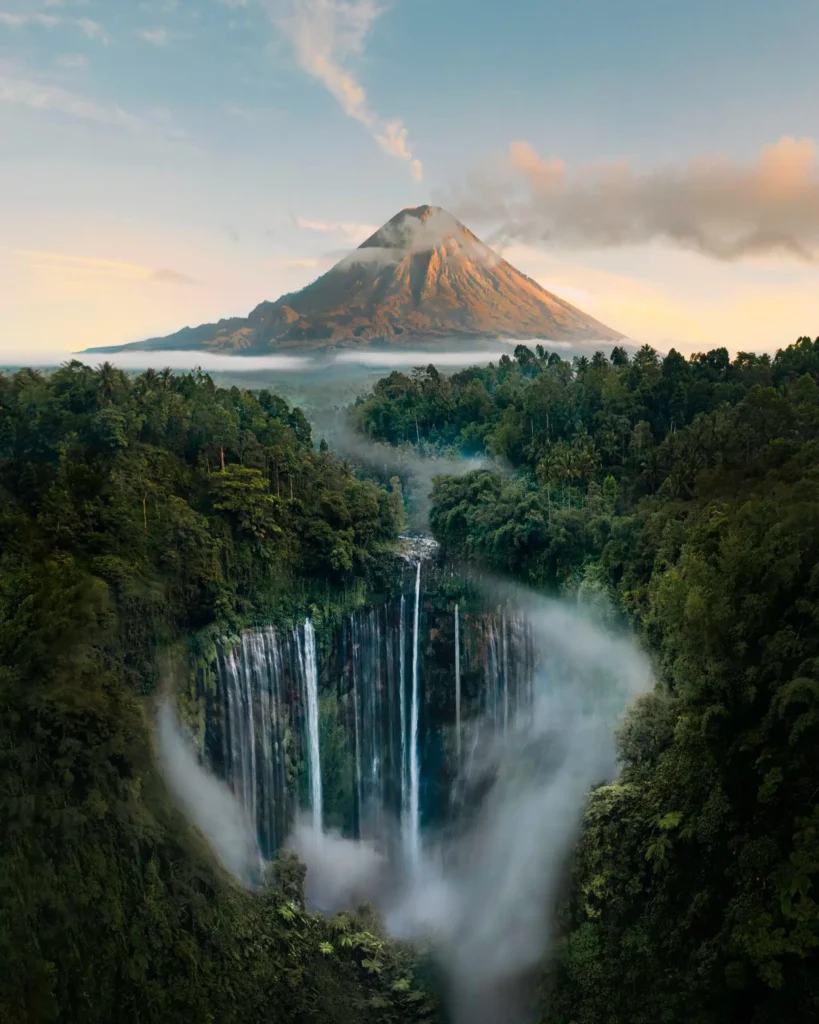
x=171, y=162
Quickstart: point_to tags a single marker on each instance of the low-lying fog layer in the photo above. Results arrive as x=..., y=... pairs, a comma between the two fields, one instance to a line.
x=178, y=359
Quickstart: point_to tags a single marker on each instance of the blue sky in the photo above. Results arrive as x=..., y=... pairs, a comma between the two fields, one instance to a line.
x=164, y=163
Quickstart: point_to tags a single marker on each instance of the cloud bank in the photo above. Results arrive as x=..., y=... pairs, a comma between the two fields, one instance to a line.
x=716, y=207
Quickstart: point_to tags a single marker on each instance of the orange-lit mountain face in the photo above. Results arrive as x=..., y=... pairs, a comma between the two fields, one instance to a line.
x=422, y=277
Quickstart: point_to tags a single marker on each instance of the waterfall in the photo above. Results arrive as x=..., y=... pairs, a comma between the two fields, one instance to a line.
x=457, y=685
x=402, y=697
x=263, y=719
x=414, y=832
x=310, y=676
x=492, y=671
x=253, y=731
x=505, y=654
x=372, y=711
x=355, y=661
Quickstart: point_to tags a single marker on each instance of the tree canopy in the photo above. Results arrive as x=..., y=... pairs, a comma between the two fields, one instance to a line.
x=685, y=491
x=138, y=514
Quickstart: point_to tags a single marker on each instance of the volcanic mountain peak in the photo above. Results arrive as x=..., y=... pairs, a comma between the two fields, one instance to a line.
x=417, y=227
x=422, y=277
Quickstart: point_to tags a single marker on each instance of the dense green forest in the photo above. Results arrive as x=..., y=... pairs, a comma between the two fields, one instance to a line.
x=143, y=518
x=686, y=491
x=137, y=515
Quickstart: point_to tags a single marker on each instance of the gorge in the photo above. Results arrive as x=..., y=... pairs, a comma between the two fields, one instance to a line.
x=428, y=760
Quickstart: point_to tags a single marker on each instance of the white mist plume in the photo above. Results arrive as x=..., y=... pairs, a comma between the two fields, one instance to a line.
x=418, y=470
x=341, y=874
x=207, y=801
x=409, y=234
x=180, y=359
x=485, y=899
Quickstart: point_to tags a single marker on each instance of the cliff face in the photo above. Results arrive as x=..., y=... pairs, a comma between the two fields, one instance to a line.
x=422, y=277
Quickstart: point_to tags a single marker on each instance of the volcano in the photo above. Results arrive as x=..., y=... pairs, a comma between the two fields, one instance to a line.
x=421, y=279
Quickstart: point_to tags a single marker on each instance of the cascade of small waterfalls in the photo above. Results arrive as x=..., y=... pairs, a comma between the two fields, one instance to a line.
x=380, y=711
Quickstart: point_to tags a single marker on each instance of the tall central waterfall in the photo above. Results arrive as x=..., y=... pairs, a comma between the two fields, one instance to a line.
x=413, y=840
x=309, y=668
x=362, y=730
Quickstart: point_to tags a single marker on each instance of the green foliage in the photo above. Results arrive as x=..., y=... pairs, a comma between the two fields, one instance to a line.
x=137, y=515
x=687, y=492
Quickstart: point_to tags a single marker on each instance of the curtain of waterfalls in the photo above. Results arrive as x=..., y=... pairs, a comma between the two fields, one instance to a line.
x=401, y=760
x=258, y=705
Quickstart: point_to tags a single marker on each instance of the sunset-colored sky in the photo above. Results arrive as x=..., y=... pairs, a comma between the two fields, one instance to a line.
x=173, y=162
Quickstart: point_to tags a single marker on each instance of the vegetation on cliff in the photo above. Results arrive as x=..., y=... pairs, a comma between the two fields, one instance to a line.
x=136, y=513
x=686, y=490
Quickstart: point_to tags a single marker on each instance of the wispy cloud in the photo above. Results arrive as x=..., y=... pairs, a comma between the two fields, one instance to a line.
x=297, y=264
x=38, y=95
x=68, y=267
x=255, y=116
x=327, y=36
x=164, y=275
x=352, y=232
x=91, y=29
x=717, y=207
x=72, y=61
x=154, y=36
x=14, y=20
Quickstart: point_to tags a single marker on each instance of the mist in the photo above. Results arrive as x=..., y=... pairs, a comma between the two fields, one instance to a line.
x=416, y=470
x=403, y=234
x=342, y=874
x=394, y=357
x=208, y=802
x=714, y=206
x=484, y=897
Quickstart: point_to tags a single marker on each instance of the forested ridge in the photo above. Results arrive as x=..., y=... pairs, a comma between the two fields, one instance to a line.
x=687, y=492
x=138, y=515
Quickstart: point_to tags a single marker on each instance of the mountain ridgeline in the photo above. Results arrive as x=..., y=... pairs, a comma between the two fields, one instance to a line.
x=422, y=278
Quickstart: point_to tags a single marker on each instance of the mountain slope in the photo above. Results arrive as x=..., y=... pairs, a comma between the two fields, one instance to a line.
x=422, y=277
